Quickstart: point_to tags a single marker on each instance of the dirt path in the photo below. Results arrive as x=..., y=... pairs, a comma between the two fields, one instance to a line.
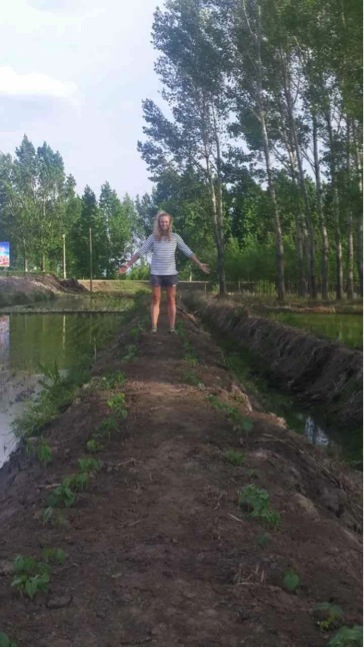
x=158, y=551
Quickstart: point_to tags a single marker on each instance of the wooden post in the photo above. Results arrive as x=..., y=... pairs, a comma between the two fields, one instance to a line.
x=90, y=232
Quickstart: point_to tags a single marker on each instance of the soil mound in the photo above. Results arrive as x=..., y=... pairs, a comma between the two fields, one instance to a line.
x=158, y=550
x=316, y=370
x=22, y=290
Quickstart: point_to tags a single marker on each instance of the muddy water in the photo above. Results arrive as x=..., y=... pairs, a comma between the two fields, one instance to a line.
x=339, y=327
x=29, y=341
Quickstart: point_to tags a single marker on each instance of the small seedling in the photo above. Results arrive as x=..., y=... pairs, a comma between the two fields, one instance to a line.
x=54, y=517
x=5, y=641
x=234, y=457
x=107, y=427
x=93, y=445
x=48, y=514
x=264, y=539
x=54, y=556
x=191, y=378
x=40, y=448
x=131, y=353
x=330, y=614
x=256, y=501
x=89, y=464
x=348, y=637
x=118, y=405
x=241, y=422
x=31, y=576
x=62, y=496
x=112, y=380
x=78, y=481
x=291, y=580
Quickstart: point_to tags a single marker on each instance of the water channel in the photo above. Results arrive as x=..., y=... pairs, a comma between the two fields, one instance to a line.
x=334, y=326
x=29, y=341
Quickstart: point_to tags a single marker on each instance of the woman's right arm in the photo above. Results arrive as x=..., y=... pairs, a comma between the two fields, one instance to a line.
x=144, y=248
x=129, y=263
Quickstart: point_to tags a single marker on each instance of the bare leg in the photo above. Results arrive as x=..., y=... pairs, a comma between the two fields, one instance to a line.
x=171, y=301
x=154, y=308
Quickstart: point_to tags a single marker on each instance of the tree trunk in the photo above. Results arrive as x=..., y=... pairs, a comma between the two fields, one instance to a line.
x=301, y=177
x=358, y=173
x=276, y=216
x=272, y=192
x=336, y=211
x=219, y=215
x=323, y=229
x=350, y=281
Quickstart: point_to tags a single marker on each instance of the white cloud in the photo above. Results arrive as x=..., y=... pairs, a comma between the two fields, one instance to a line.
x=35, y=84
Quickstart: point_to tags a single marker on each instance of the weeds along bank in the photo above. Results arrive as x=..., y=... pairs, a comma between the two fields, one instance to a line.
x=318, y=371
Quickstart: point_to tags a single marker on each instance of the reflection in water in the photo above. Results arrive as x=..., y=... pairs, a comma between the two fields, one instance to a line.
x=4, y=337
x=315, y=434
x=341, y=327
x=31, y=341
x=36, y=340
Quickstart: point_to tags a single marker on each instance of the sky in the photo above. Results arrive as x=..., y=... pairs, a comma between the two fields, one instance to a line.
x=73, y=73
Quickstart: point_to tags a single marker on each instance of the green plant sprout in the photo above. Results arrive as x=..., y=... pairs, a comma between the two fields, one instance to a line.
x=256, y=501
x=61, y=496
x=234, y=457
x=241, y=422
x=348, y=637
x=112, y=380
x=333, y=614
x=5, y=641
x=118, y=405
x=291, y=580
x=31, y=576
x=55, y=556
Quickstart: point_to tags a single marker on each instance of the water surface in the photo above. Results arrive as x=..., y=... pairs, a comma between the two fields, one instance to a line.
x=31, y=341
x=344, y=328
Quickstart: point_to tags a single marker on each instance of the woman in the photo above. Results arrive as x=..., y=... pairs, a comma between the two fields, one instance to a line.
x=163, y=274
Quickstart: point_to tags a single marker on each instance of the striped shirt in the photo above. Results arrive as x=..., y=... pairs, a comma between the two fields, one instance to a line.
x=163, y=253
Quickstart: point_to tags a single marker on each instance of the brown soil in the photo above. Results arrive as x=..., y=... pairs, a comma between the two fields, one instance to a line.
x=158, y=552
x=26, y=287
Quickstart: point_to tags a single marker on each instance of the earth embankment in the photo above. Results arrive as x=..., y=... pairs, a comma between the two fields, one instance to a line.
x=33, y=288
x=158, y=550
x=318, y=371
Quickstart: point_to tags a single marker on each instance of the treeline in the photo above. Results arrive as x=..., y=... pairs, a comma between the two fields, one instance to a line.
x=256, y=152
x=259, y=152
x=41, y=213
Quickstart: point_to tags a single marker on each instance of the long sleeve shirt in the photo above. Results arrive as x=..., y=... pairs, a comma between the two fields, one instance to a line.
x=163, y=253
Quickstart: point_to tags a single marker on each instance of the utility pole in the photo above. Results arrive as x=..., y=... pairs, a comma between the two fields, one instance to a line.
x=90, y=231
x=64, y=256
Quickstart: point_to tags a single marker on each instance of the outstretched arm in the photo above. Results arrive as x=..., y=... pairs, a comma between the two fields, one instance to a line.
x=129, y=263
x=204, y=267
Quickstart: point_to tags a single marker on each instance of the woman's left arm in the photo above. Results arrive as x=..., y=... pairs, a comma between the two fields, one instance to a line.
x=186, y=250
x=204, y=267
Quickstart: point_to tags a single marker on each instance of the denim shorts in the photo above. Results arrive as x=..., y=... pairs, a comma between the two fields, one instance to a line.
x=164, y=281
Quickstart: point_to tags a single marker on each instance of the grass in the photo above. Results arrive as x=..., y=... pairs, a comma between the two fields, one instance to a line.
x=235, y=457
x=58, y=392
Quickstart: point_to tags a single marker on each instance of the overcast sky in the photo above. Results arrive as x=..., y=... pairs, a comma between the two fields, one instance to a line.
x=73, y=73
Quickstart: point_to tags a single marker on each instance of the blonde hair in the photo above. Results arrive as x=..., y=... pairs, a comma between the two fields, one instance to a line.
x=156, y=228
